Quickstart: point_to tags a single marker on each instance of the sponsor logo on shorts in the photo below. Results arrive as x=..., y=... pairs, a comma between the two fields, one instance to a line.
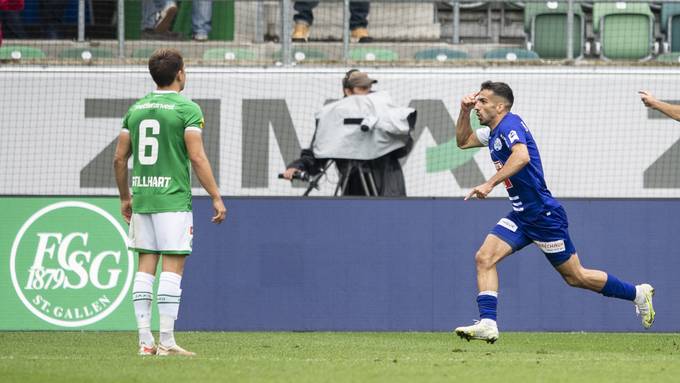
x=508, y=224
x=551, y=247
x=70, y=265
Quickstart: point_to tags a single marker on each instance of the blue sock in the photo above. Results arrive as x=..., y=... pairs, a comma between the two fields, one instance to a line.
x=487, y=306
x=618, y=289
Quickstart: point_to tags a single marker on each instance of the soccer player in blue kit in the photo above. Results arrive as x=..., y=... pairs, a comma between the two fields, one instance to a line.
x=535, y=217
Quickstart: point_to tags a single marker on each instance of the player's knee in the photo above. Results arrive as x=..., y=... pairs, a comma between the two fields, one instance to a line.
x=484, y=259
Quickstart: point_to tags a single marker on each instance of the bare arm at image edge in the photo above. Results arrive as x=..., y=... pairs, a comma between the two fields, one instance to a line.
x=201, y=166
x=670, y=110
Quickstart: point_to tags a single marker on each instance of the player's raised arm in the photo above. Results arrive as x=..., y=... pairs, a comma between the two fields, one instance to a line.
x=201, y=166
x=465, y=136
x=120, y=166
x=670, y=110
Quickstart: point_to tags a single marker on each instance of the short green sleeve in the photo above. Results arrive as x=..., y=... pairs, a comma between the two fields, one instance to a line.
x=125, y=126
x=193, y=116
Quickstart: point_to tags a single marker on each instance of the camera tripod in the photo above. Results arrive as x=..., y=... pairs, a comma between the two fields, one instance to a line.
x=365, y=176
x=359, y=166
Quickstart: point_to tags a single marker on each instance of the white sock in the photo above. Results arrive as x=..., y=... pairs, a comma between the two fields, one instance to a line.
x=489, y=292
x=489, y=322
x=639, y=297
x=168, y=298
x=142, y=295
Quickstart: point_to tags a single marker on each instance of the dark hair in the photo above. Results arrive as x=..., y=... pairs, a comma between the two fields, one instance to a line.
x=164, y=64
x=345, y=81
x=500, y=89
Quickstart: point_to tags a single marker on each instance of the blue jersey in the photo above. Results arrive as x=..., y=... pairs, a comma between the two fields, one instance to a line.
x=527, y=190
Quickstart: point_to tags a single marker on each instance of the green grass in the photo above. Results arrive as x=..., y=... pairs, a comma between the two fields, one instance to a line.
x=342, y=357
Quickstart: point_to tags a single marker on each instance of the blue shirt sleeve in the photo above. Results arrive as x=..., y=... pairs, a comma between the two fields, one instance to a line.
x=513, y=131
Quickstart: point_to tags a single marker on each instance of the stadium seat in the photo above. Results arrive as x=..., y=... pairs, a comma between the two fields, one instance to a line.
x=142, y=53
x=229, y=54
x=510, y=54
x=545, y=25
x=670, y=25
x=81, y=53
x=222, y=20
x=440, y=54
x=373, y=54
x=669, y=57
x=20, y=52
x=625, y=30
x=302, y=54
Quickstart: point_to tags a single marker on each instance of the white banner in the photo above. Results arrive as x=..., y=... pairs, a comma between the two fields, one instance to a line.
x=595, y=137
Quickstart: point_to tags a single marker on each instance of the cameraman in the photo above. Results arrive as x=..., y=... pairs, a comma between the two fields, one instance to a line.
x=386, y=170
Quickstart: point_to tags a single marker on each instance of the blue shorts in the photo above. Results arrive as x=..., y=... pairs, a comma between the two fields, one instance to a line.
x=549, y=231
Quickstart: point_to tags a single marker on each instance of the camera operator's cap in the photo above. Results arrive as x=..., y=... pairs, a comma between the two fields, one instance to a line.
x=360, y=80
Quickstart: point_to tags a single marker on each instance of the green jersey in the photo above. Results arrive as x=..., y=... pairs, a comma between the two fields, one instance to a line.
x=161, y=179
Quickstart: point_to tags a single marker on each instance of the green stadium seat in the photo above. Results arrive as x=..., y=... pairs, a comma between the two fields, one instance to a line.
x=625, y=30
x=670, y=25
x=669, y=57
x=511, y=54
x=545, y=25
x=229, y=54
x=222, y=20
x=81, y=53
x=440, y=54
x=302, y=54
x=142, y=53
x=373, y=54
x=20, y=52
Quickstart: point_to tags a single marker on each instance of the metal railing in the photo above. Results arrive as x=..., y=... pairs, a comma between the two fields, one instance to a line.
x=262, y=17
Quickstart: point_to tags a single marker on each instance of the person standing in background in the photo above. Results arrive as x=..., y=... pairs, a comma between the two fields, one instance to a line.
x=10, y=5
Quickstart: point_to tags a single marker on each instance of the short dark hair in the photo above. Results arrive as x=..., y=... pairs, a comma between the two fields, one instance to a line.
x=500, y=89
x=164, y=64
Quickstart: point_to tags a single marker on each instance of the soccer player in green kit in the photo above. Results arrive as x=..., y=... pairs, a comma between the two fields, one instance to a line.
x=162, y=131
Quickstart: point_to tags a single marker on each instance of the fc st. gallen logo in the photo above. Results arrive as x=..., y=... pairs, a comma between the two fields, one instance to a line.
x=71, y=278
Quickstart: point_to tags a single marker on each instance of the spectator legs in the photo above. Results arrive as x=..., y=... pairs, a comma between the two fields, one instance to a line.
x=358, y=14
x=201, y=16
x=304, y=11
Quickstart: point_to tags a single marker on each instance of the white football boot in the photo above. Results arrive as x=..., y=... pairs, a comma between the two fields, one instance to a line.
x=174, y=350
x=643, y=304
x=146, y=349
x=485, y=330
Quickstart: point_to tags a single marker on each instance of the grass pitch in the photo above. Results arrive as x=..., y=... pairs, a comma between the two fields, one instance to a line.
x=342, y=357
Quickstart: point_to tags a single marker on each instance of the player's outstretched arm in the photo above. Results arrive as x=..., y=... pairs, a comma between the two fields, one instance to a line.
x=465, y=136
x=120, y=167
x=203, y=171
x=670, y=110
